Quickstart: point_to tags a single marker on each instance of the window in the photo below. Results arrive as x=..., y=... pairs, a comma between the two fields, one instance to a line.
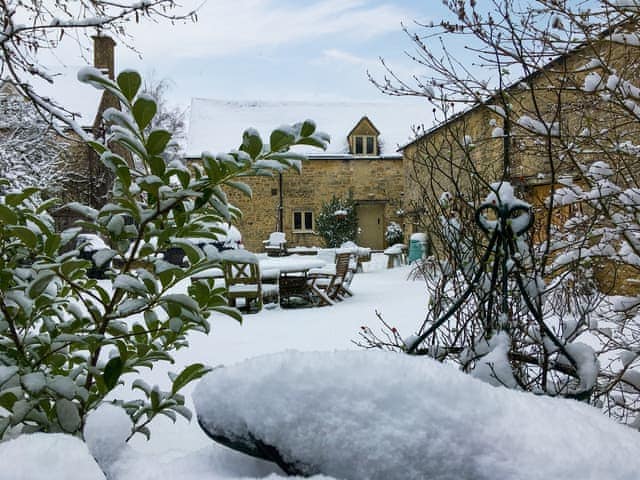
x=364, y=145
x=303, y=221
x=370, y=145
x=359, y=148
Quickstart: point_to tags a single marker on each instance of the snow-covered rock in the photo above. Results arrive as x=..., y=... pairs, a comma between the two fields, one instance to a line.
x=382, y=415
x=47, y=456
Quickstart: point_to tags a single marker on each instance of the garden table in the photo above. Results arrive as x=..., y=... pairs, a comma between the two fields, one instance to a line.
x=293, y=275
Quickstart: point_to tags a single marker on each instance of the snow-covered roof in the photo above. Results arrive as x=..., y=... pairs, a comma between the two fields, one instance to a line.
x=217, y=125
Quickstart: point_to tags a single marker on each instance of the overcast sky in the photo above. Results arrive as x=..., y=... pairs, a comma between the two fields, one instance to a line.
x=276, y=49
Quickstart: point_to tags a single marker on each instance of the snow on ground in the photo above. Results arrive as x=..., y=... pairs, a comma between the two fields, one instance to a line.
x=47, y=456
x=182, y=449
x=386, y=416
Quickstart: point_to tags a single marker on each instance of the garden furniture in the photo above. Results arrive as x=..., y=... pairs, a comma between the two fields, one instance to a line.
x=243, y=280
x=276, y=245
x=396, y=255
x=331, y=279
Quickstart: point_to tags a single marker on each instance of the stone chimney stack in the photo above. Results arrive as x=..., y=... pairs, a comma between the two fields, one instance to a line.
x=103, y=55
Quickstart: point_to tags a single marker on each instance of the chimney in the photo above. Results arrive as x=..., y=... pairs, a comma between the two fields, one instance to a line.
x=103, y=57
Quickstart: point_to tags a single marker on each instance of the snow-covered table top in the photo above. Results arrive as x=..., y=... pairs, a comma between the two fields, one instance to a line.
x=291, y=263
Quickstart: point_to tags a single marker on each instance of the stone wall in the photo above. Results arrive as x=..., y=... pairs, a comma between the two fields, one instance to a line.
x=368, y=179
x=442, y=160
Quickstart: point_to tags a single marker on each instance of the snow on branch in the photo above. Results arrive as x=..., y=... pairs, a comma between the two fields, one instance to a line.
x=30, y=27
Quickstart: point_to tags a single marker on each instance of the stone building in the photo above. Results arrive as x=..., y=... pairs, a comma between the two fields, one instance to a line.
x=76, y=174
x=563, y=116
x=362, y=161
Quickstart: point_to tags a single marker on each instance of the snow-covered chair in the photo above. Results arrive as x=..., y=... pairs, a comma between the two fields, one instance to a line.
x=276, y=245
x=359, y=255
x=242, y=279
x=331, y=279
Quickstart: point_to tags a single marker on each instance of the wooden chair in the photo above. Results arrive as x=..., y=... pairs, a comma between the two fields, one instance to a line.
x=331, y=279
x=354, y=267
x=276, y=245
x=242, y=279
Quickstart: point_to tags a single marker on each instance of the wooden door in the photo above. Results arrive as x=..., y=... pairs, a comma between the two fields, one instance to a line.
x=371, y=223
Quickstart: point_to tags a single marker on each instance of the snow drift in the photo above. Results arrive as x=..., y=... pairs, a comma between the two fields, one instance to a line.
x=381, y=415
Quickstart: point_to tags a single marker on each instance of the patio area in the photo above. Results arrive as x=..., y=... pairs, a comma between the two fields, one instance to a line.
x=317, y=277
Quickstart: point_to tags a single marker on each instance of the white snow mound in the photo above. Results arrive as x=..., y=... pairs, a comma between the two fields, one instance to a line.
x=47, y=456
x=381, y=415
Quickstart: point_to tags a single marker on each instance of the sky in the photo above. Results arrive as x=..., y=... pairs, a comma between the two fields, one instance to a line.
x=274, y=49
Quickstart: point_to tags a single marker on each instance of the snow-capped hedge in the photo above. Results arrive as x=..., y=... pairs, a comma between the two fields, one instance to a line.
x=382, y=415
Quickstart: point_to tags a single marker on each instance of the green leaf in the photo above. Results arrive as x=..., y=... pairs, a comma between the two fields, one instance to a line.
x=151, y=319
x=194, y=254
x=143, y=111
x=46, y=205
x=103, y=82
x=154, y=396
x=7, y=215
x=7, y=399
x=145, y=431
x=25, y=235
x=112, y=371
x=15, y=199
x=314, y=142
x=175, y=324
x=129, y=82
x=251, y=143
x=40, y=283
x=281, y=138
x=72, y=265
x=243, y=187
x=97, y=147
x=183, y=300
x=157, y=141
x=113, y=160
x=307, y=128
x=4, y=424
x=141, y=385
x=68, y=416
x=230, y=311
x=190, y=373
x=57, y=360
x=182, y=410
x=157, y=165
x=169, y=413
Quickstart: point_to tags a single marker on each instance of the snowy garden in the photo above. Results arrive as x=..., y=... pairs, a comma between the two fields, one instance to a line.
x=293, y=378
x=509, y=350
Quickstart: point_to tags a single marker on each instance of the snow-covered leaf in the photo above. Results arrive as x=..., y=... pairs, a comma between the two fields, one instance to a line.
x=68, y=415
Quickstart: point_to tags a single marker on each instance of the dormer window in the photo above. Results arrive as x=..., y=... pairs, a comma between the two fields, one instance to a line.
x=365, y=145
x=363, y=138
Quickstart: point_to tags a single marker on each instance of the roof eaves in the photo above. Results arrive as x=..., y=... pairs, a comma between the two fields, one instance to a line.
x=532, y=75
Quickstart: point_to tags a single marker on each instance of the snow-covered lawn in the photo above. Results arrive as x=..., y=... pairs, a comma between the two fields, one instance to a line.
x=400, y=301
x=182, y=450
x=536, y=434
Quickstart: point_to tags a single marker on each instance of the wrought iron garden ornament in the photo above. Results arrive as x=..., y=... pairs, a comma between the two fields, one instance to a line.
x=513, y=218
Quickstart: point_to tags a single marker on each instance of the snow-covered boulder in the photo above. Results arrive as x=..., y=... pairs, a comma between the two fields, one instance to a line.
x=382, y=415
x=47, y=456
